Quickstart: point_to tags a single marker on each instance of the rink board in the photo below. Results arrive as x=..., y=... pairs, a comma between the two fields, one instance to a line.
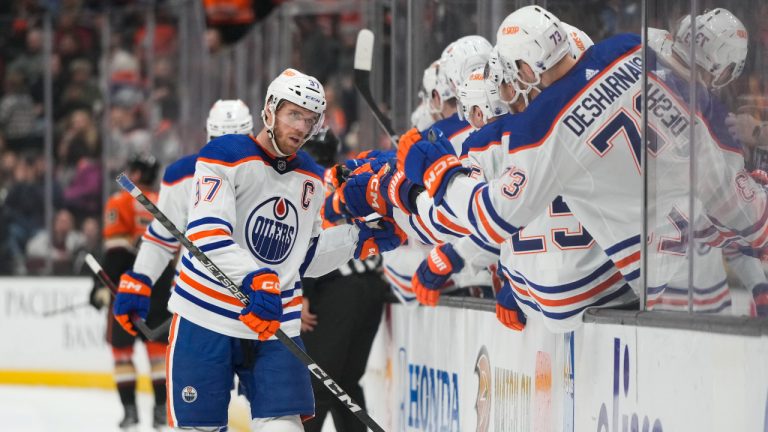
x=448, y=369
x=67, y=349
x=625, y=378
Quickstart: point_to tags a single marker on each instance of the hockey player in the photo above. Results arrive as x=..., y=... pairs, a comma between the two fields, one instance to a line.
x=721, y=52
x=255, y=212
x=553, y=267
x=159, y=247
x=565, y=143
x=125, y=221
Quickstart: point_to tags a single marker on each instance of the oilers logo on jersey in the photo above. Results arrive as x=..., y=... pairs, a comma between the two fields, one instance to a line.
x=272, y=226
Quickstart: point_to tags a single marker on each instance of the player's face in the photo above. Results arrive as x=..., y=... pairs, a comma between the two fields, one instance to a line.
x=293, y=126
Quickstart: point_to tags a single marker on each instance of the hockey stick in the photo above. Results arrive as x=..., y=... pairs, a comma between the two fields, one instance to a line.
x=65, y=309
x=363, y=64
x=319, y=373
x=141, y=325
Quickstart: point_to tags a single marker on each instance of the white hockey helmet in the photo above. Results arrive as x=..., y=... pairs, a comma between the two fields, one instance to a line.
x=300, y=89
x=466, y=54
x=580, y=41
x=720, y=44
x=429, y=84
x=476, y=91
x=535, y=36
x=421, y=118
x=229, y=117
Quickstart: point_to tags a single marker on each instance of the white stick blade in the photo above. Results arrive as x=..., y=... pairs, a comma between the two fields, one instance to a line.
x=92, y=263
x=364, y=50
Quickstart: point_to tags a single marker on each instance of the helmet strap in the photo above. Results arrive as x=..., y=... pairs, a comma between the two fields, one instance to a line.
x=270, y=127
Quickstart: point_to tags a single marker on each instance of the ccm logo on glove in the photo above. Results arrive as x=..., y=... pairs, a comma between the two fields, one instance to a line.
x=437, y=170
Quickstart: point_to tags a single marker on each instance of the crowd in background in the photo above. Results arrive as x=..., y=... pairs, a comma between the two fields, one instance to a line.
x=93, y=134
x=138, y=119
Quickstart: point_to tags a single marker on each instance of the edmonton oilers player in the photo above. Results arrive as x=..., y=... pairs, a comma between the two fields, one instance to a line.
x=554, y=276
x=255, y=213
x=579, y=139
x=158, y=247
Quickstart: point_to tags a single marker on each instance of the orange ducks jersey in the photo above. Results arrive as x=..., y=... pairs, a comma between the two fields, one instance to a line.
x=125, y=220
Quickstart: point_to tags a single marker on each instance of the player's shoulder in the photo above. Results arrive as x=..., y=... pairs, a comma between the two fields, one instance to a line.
x=308, y=164
x=230, y=149
x=610, y=49
x=182, y=168
x=450, y=125
x=119, y=199
x=484, y=137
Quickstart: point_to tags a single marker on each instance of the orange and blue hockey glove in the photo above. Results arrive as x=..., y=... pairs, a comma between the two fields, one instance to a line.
x=132, y=298
x=263, y=313
x=397, y=190
x=429, y=162
x=433, y=273
x=507, y=310
x=362, y=196
x=383, y=237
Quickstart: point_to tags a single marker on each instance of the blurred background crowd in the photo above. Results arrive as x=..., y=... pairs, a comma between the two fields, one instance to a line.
x=86, y=84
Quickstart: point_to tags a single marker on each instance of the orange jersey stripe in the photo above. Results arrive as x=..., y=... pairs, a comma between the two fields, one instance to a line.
x=447, y=222
x=295, y=302
x=628, y=260
x=580, y=297
x=494, y=236
x=208, y=291
x=208, y=233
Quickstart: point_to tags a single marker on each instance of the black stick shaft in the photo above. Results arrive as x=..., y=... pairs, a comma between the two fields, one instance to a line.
x=292, y=346
x=96, y=268
x=66, y=309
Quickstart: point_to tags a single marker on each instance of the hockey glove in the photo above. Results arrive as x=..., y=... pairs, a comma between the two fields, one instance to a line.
x=132, y=298
x=362, y=196
x=760, y=296
x=398, y=191
x=507, y=310
x=334, y=209
x=263, y=313
x=433, y=273
x=386, y=236
x=430, y=163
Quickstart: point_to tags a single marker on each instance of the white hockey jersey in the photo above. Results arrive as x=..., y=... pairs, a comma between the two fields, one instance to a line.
x=249, y=211
x=580, y=139
x=553, y=265
x=158, y=246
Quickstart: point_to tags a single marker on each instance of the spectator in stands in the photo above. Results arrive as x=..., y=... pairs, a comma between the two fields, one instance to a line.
x=30, y=62
x=127, y=128
x=80, y=91
x=18, y=116
x=82, y=195
x=91, y=245
x=26, y=205
x=61, y=246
